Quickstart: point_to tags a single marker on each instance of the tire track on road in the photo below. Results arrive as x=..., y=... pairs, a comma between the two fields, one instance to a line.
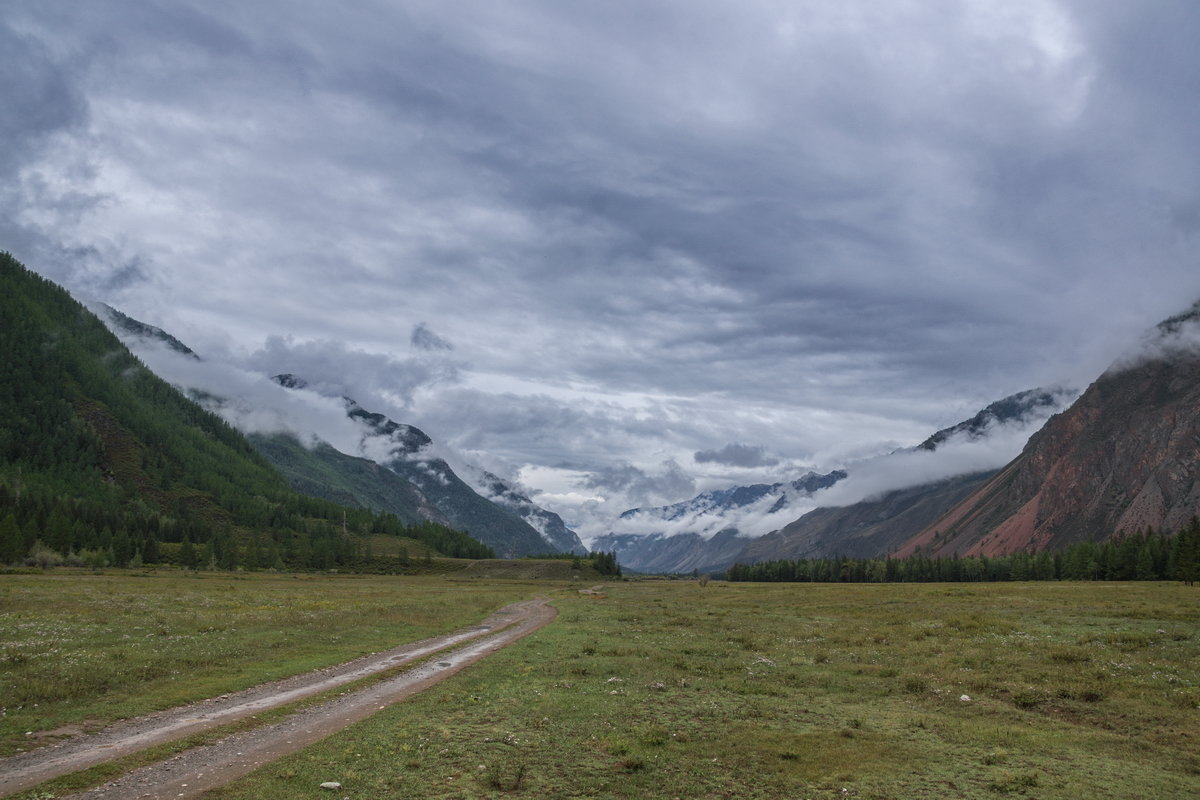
x=207, y=766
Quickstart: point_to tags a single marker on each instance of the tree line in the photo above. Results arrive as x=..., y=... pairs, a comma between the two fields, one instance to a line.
x=45, y=529
x=605, y=563
x=1148, y=556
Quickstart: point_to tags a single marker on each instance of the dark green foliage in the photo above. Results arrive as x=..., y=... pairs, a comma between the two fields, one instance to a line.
x=1145, y=557
x=11, y=542
x=321, y=471
x=98, y=454
x=1184, y=559
x=605, y=563
x=188, y=557
x=446, y=541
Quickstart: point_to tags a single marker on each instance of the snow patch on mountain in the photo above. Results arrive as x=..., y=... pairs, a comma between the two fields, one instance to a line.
x=511, y=496
x=748, y=510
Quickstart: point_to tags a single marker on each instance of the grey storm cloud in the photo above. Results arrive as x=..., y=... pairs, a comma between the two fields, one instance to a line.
x=423, y=338
x=41, y=100
x=670, y=482
x=737, y=455
x=369, y=378
x=649, y=230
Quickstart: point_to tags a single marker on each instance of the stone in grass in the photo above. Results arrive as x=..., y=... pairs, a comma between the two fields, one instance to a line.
x=331, y=785
x=966, y=698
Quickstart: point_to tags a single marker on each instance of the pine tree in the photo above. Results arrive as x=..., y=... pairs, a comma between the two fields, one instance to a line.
x=57, y=535
x=11, y=541
x=1145, y=563
x=1185, y=553
x=187, y=554
x=122, y=549
x=150, y=551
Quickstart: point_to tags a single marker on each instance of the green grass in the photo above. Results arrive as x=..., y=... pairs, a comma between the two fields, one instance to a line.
x=383, y=545
x=670, y=689
x=658, y=689
x=530, y=569
x=78, y=650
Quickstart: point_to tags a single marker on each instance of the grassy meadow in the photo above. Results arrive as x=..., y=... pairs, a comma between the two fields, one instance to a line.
x=658, y=688
x=672, y=689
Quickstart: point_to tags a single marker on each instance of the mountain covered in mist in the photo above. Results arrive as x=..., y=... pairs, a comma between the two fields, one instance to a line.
x=875, y=525
x=882, y=522
x=720, y=501
x=1123, y=458
x=1021, y=407
x=866, y=529
x=500, y=520
x=402, y=476
x=127, y=328
x=702, y=533
x=318, y=469
x=554, y=531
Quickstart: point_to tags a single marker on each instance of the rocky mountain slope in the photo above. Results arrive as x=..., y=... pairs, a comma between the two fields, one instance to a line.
x=879, y=525
x=558, y=536
x=865, y=529
x=409, y=455
x=1123, y=458
x=679, y=554
x=1019, y=408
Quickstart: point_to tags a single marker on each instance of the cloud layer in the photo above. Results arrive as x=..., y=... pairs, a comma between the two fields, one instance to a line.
x=736, y=455
x=591, y=239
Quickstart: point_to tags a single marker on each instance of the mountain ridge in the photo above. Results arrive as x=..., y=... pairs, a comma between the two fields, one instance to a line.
x=1121, y=459
x=501, y=520
x=1020, y=407
x=734, y=497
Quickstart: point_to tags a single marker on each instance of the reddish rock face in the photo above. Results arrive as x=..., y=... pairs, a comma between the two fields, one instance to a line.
x=1124, y=457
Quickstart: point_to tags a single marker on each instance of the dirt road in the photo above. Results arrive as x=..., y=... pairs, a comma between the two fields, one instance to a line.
x=193, y=771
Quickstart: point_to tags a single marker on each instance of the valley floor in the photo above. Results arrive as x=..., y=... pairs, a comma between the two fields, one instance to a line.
x=677, y=689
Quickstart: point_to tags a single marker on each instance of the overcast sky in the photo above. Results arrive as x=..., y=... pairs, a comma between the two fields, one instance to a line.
x=622, y=250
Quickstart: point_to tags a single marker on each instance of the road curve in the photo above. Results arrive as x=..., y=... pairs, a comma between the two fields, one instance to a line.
x=198, y=769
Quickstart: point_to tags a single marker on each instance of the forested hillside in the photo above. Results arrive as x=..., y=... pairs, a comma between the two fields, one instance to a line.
x=319, y=470
x=100, y=458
